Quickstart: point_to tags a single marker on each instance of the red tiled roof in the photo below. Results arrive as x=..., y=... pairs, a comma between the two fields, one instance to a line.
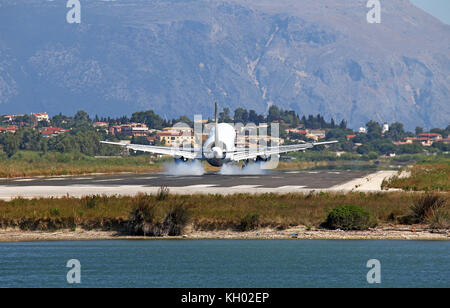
x=429, y=135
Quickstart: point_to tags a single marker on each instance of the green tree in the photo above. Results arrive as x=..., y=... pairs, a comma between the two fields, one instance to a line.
x=81, y=116
x=149, y=118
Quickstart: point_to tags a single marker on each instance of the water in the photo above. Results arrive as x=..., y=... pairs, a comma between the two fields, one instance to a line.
x=213, y=263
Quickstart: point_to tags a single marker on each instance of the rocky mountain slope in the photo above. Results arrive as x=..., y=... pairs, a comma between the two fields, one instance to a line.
x=177, y=57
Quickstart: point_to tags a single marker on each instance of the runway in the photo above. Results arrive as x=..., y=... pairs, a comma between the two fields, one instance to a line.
x=211, y=183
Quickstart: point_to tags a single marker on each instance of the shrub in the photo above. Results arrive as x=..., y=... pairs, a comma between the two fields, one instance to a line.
x=55, y=212
x=249, y=222
x=440, y=219
x=425, y=206
x=176, y=220
x=348, y=217
x=163, y=193
x=91, y=201
x=141, y=217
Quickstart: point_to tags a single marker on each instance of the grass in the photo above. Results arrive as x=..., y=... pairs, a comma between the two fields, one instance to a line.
x=424, y=176
x=207, y=212
x=24, y=164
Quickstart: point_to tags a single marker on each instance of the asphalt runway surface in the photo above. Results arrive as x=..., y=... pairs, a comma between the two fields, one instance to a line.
x=271, y=179
x=123, y=184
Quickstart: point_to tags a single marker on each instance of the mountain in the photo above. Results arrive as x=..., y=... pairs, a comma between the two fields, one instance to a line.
x=178, y=56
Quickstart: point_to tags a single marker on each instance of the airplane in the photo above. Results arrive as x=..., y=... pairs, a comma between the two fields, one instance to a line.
x=220, y=149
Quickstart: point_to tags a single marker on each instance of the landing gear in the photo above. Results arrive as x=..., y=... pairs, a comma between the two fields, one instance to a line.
x=245, y=164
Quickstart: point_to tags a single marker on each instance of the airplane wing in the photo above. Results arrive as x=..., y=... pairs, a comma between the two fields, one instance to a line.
x=241, y=154
x=172, y=151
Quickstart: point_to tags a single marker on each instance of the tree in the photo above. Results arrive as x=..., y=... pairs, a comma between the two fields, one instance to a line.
x=225, y=116
x=396, y=132
x=81, y=116
x=241, y=116
x=152, y=120
x=274, y=114
x=185, y=120
x=419, y=130
x=253, y=117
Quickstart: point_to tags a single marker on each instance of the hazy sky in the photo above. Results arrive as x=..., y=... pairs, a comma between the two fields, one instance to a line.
x=438, y=8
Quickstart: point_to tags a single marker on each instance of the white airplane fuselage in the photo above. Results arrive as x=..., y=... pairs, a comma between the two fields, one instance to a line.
x=218, y=154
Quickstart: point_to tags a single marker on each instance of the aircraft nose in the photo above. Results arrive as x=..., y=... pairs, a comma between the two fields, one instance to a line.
x=217, y=152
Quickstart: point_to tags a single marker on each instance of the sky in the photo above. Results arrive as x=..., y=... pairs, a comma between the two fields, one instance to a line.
x=437, y=8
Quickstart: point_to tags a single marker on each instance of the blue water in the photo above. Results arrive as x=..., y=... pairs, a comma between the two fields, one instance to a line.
x=288, y=263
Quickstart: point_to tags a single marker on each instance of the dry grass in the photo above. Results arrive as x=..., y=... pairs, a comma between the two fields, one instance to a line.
x=207, y=212
x=32, y=164
x=424, y=177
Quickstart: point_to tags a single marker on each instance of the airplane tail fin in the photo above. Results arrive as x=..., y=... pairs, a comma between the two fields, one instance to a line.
x=216, y=132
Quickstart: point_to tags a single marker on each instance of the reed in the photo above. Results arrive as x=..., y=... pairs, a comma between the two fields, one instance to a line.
x=206, y=212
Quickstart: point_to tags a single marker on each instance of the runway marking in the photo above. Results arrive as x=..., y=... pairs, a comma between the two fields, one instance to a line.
x=81, y=179
x=313, y=172
x=291, y=187
x=201, y=186
x=149, y=178
x=110, y=180
x=244, y=186
x=55, y=179
x=277, y=177
x=331, y=172
x=249, y=177
x=293, y=172
x=24, y=180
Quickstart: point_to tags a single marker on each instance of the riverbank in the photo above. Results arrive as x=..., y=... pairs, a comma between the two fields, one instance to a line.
x=388, y=232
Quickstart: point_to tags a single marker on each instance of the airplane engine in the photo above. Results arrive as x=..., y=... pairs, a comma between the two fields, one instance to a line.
x=180, y=159
x=263, y=158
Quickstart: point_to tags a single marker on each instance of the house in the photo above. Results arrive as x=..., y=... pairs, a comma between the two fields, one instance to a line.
x=41, y=116
x=135, y=130
x=350, y=137
x=175, y=139
x=426, y=142
x=115, y=130
x=100, y=124
x=177, y=129
x=11, y=117
x=52, y=131
x=10, y=129
x=431, y=136
x=446, y=140
x=316, y=134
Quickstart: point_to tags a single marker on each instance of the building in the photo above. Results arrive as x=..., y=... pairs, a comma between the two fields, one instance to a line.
x=41, y=116
x=52, y=131
x=385, y=128
x=11, y=117
x=178, y=129
x=130, y=130
x=135, y=130
x=316, y=134
x=115, y=130
x=350, y=137
x=175, y=139
x=100, y=124
x=446, y=140
x=431, y=136
x=10, y=129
